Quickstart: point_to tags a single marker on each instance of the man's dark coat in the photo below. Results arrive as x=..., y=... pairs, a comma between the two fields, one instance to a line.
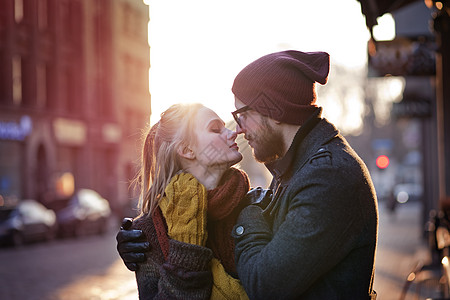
x=317, y=237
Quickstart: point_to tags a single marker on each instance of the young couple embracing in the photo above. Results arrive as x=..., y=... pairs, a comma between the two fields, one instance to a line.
x=204, y=234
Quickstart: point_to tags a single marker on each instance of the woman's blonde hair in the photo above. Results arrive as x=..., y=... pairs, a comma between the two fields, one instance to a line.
x=160, y=159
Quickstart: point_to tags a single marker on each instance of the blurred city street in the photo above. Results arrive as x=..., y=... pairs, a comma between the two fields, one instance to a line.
x=68, y=269
x=400, y=248
x=78, y=89
x=90, y=268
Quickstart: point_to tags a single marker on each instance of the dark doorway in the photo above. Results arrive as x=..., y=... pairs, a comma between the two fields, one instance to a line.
x=42, y=192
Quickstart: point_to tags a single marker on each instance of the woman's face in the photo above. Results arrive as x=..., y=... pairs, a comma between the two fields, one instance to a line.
x=216, y=144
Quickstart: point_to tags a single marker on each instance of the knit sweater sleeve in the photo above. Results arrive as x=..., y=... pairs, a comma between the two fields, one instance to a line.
x=185, y=274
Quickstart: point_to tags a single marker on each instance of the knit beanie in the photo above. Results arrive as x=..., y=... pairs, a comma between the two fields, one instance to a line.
x=281, y=85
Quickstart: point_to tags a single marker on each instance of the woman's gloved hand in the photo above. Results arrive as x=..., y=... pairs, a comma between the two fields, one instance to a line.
x=184, y=207
x=131, y=245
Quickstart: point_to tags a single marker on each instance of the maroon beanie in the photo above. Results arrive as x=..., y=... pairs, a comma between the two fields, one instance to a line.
x=281, y=85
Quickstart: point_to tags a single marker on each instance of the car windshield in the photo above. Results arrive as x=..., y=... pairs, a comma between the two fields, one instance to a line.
x=89, y=199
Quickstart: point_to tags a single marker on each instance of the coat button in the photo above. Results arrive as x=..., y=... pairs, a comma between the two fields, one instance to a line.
x=239, y=230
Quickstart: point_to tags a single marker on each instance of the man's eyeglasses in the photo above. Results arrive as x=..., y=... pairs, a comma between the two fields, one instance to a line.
x=237, y=114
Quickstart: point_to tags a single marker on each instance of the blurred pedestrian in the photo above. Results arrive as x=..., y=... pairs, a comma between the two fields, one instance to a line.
x=391, y=202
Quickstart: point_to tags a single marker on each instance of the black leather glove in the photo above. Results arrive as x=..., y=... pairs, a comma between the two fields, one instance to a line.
x=259, y=196
x=131, y=245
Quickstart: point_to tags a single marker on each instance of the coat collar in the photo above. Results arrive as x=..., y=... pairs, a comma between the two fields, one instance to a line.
x=303, y=145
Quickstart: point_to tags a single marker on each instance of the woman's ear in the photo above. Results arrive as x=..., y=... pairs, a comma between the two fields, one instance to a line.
x=186, y=152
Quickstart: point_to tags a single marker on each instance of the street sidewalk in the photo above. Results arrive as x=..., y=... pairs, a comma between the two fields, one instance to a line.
x=401, y=247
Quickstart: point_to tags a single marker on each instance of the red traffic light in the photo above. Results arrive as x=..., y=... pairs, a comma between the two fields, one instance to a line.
x=382, y=161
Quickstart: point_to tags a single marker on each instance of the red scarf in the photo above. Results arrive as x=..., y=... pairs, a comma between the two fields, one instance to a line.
x=223, y=211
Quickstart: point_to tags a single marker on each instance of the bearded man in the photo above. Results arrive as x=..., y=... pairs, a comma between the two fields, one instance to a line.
x=316, y=237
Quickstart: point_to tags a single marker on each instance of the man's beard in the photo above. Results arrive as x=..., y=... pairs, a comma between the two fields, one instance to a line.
x=268, y=144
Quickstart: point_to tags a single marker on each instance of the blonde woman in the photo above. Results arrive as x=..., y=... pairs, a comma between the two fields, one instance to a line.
x=190, y=200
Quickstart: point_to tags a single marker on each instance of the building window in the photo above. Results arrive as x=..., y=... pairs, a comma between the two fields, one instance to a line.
x=42, y=14
x=17, y=79
x=127, y=73
x=41, y=85
x=51, y=87
x=132, y=21
x=72, y=92
x=103, y=67
x=64, y=90
x=135, y=74
x=127, y=18
x=64, y=10
x=18, y=10
x=138, y=24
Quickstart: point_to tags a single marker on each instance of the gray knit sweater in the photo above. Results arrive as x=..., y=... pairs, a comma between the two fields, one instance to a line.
x=184, y=274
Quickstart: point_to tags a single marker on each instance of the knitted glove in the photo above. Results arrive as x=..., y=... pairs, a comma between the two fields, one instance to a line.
x=184, y=208
x=224, y=286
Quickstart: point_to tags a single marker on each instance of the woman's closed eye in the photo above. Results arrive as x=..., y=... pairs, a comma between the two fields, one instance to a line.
x=216, y=127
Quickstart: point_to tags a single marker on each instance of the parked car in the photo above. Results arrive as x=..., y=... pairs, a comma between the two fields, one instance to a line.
x=27, y=221
x=86, y=213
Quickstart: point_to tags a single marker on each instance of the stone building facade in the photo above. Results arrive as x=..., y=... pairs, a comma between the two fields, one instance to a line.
x=73, y=97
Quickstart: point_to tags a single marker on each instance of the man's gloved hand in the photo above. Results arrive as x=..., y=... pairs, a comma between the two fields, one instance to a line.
x=131, y=245
x=259, y=196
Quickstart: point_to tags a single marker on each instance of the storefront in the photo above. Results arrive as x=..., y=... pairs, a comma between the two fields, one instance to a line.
x=13, y=133
x=47, y=159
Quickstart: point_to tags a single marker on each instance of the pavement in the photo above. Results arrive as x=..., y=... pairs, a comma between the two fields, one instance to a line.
x=401, y=249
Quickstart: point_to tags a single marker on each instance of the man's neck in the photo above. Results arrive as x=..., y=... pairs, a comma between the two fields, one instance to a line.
x=289, y=131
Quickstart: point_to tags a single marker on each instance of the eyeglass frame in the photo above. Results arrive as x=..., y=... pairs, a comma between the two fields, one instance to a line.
x=239, y=111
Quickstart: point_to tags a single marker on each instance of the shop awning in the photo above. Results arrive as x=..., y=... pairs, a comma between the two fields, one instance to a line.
x=373, y=9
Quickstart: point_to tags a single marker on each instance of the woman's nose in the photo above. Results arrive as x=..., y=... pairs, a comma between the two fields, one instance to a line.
x=232, y=134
